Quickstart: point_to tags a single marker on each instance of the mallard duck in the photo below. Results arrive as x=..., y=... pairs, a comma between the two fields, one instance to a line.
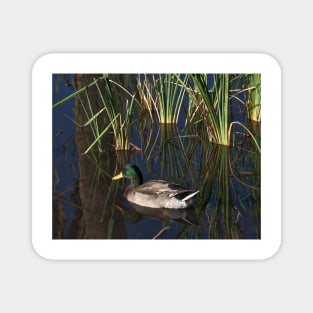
x=155, y=193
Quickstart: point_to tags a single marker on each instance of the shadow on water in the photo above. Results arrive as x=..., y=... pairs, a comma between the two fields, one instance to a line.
x=87, y=204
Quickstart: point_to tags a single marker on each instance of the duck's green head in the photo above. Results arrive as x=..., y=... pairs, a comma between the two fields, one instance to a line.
x=131, y=172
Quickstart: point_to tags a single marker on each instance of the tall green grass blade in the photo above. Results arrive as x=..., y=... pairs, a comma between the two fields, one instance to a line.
x=221, y=86
x=76, y=93
x=201, y=86
x=110, y=111
x=88, y=122
x=99, y=137
x=254, y=101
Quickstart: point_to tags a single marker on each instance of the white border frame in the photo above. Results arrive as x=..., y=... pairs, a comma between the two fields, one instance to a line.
x=48, y=248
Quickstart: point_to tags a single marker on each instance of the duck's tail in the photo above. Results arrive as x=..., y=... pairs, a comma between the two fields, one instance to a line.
x=190, y=196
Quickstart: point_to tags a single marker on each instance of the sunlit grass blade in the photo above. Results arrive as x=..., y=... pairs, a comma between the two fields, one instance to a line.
x=102, y=133
x=88, y=122
x=213, y=106
x=121, y=138
x=147, y=101
x=254, y=101
x=221, y=86
x=161, y=94
x=207, y=105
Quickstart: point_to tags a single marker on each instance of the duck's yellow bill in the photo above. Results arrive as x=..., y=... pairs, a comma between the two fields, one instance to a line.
x=118, y=176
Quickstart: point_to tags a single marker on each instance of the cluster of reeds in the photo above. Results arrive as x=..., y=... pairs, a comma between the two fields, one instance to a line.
x=212, y=105
x=117, y=115
x=161, y=94
x=165, y=98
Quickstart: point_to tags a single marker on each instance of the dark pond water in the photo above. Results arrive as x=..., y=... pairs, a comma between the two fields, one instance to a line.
x=87, y=204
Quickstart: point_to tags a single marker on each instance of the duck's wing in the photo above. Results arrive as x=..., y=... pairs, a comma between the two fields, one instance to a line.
x=162, y=187
x=153, y=187
x=161, y=194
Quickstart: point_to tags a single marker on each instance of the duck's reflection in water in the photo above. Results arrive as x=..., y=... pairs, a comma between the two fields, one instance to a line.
x=185, y=216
